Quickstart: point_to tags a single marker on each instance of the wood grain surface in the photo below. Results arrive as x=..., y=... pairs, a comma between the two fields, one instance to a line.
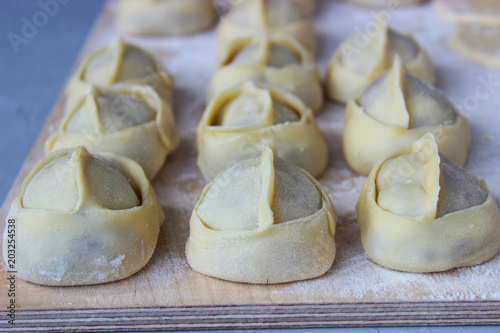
x=168, y=294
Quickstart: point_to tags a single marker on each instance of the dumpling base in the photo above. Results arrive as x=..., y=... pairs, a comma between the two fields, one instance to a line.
x=462, y=238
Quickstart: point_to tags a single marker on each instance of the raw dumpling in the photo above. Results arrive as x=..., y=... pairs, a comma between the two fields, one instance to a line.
x=266, y=16
x=395, y=111
x=483, y=12
x=477, y=34
x=420, y=212
x=130, y=120
x=262, y=221
x=278, y=60
x=385, y=3
x=119, y=62
x=241, y=121
x=165, y=17
x=84, y=218
x=363, y=58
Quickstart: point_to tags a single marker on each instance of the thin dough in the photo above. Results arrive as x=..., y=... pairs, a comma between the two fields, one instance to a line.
x=165, y=17
x=420, y=212
x=241, y=121
x=262, y=221
x=395, y=111
x=478, y=43
x=362, y=59
x=266, y=16
x=84, y=219
x=385, y=3
x=129, y=120
x=118, y=62
x=278, y=60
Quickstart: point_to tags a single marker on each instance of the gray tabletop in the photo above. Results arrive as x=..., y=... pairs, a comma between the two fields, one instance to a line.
x=36, y=54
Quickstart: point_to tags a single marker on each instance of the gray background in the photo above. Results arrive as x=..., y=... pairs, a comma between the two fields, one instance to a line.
x=32, y=78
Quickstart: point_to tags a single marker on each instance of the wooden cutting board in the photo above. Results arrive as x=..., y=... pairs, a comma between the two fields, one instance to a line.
x=168, y=294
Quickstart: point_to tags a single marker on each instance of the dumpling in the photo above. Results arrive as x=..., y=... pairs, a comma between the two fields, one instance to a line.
x=478, y=43
x=119, y=62
x=239, y=122
x=420, y=212
x=266, y=16
x=395, y=111
x=363, y=58
x=385, y=3
x=126, y=119
x=84, y=218
x=165, y=17
x=278, y=60
x=262, y=221
x=483, y=12
x=477, y=33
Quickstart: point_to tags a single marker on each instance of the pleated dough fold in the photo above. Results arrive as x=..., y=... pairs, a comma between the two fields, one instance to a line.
x=363, y=58
x=276, y=59
x=126, y=119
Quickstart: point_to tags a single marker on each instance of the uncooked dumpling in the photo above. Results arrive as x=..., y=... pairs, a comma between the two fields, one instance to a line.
x=420, y=212
x=119, y=62
x=84, y=219
x=239, y=122
x=165, y=17
x=252, y=17
x=262, y=221
x=130, y=120
x=395, y=111
x=277, y=60
x=362, y=59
